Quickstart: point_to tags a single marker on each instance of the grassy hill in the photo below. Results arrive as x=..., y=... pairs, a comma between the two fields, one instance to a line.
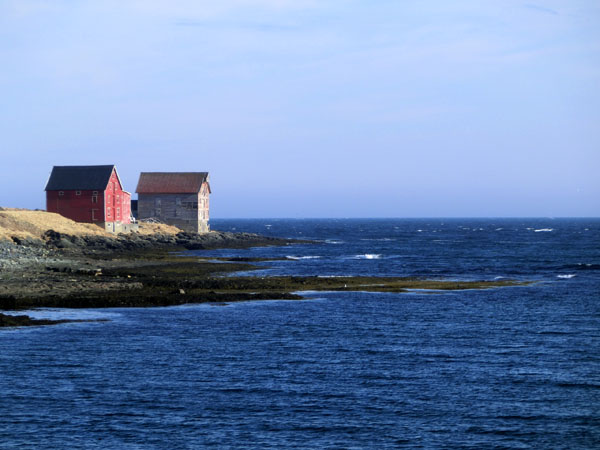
x=25, y=223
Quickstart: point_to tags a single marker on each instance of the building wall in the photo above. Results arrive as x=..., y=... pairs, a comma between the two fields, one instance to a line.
x=118, y=202
x=119, y=227
x=186, y=211
x=80, y=206
x=126, y=208
x=204, y=206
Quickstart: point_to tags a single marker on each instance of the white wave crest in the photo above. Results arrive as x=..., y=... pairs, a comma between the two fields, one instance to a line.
x=570, y=275
x=334, y=276
x=541, y=230
x=368, y=256
x=297, y=258
x=378, y=239
x=65, y=314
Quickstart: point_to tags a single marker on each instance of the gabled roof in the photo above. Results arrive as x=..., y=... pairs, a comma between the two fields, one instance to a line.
x=171, y=182
x=84, y=178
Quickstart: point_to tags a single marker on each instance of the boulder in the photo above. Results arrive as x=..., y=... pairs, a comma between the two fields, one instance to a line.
x=27, y=241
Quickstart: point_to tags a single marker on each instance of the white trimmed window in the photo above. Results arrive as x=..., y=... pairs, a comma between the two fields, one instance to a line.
x=61, y=193
x=77, y=192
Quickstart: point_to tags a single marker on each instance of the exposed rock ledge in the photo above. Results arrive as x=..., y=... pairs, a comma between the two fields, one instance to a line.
x=41, y=267
x=136, y=241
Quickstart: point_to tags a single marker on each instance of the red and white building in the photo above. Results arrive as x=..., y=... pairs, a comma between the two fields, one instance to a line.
x=91, y=194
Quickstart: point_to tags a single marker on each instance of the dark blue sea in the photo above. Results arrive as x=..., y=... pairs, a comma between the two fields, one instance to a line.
x=514, y=367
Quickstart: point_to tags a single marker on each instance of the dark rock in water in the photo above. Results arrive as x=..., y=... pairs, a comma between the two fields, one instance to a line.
x=216, y=239
x=24, y=321
x=8, y=302
x=14, y=321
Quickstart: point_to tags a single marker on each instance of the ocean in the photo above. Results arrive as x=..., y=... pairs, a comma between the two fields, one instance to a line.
x=512, y=367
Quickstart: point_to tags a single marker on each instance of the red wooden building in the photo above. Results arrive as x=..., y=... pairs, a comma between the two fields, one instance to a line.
x=92, y=194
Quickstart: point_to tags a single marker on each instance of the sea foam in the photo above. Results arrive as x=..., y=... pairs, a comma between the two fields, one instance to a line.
x=368, y=256
x=297, y=258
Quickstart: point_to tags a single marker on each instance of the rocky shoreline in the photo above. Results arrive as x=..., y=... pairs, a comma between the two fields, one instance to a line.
x=137, y=241
x=73, y=271
x=60, y=249
x=133, y=270
x=7, y=320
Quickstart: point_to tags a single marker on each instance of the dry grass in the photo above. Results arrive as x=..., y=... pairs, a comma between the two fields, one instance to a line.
x=28, y=223
x=25, y=223
x=153, y=228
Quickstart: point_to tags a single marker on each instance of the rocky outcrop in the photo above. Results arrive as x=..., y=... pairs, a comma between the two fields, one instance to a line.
x=218, y=239
x=54, y=248
x=136, y=241
x=24, y=253
x=7, y=320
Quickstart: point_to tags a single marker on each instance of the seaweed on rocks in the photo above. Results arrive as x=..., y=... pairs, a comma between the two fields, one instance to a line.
x=7, y=320
x=143, y=270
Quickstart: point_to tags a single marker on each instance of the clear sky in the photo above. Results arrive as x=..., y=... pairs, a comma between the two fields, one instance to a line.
x=311, y=108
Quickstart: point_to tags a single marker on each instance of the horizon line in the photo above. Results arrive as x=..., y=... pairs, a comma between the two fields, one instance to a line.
x=406, y=217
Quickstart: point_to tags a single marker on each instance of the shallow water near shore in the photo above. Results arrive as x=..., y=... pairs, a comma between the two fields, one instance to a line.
x=514, y=367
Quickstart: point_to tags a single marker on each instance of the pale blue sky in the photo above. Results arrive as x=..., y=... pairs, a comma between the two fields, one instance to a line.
x=312, y=108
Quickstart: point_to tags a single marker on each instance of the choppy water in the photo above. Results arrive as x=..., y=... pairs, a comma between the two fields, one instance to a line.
x=504, y=368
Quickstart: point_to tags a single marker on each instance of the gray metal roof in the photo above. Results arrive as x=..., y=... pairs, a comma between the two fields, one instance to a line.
x=83, y=178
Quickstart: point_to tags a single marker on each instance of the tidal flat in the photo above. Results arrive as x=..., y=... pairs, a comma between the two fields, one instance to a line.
x=169, y=276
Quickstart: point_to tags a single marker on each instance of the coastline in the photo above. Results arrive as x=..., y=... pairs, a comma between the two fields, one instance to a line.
x=60, y=270
x=66, y=271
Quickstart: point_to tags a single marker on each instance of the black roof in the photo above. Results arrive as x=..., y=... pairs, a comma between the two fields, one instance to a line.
x=84, y=178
